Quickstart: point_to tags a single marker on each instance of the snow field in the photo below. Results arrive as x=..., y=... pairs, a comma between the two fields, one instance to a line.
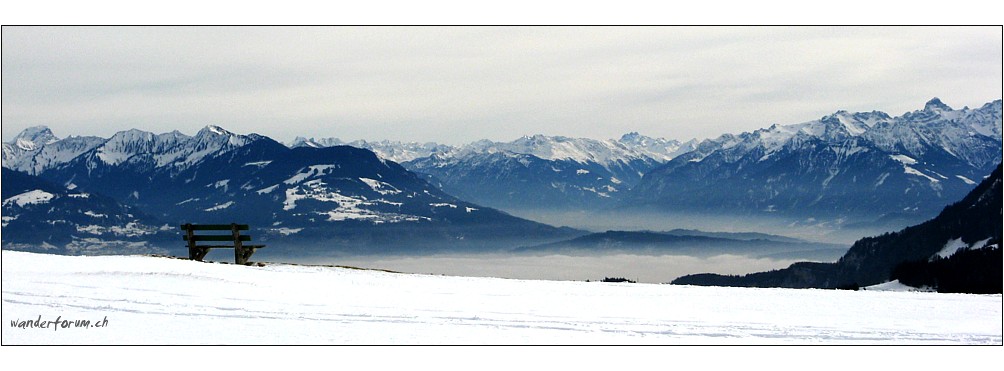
x=150, y=300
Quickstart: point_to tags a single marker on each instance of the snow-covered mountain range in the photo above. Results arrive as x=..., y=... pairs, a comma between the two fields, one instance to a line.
x=844, y=165
x=554, y=172
x=531, y=172
x=344, y=196
x=36, y=149
x=391, y=150
x=850, y=167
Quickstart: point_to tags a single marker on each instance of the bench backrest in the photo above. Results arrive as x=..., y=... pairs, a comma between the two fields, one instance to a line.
x=221, y=237
x=234, y=235
x=214, y=227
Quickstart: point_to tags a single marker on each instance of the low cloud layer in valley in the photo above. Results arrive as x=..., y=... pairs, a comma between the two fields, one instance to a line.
x=641, y=268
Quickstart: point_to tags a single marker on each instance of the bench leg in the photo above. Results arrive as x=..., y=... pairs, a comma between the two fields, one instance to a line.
x=243, y=254
x=197, y=253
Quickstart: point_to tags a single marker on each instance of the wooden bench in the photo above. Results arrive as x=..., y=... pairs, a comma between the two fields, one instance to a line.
x=236, y=240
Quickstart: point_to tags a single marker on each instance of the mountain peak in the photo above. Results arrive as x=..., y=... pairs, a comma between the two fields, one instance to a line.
x=630, y=136
x=304, y=142
x=34, y=136
x=315, y=142
x=635, y=138
x=132, y=135
x=935, y=104
x=215, y=130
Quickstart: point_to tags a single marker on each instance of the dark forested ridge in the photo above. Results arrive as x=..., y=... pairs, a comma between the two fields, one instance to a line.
x=910, y=254
x=976, y=271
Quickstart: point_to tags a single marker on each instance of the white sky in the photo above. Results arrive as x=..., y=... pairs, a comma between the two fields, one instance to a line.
x=459, y=84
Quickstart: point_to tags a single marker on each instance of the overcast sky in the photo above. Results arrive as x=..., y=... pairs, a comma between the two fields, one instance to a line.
x=459, y=84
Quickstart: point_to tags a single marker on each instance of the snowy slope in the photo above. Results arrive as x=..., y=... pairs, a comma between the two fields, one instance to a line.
x=149, y=300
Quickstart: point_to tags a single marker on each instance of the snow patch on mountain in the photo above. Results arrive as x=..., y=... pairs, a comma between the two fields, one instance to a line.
x=347, y=207
x=967, y=180
x=267, y=189
x=94, y=214
x=131, y=229
x=221, y=206
x=309, y=172
x=286, y=231
x=225, y=184
x=380, y=187
x=217, y=130
x=955, y=245
x=912, y=171
x=258, y=164
x=29, y=198
x=906, y=160
x=951, y=247
x=6, y=219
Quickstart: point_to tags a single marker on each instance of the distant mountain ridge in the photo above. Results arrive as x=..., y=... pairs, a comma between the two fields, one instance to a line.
x=553, y=172
x=845, y=166
x=36, y=149
x=336, y=198
x=530, y=172
x=845, y=169
x=391, y=150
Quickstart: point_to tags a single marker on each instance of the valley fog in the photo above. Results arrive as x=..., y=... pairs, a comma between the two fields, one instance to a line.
x=576, y=265
x=833, y=230
x=640, y=268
